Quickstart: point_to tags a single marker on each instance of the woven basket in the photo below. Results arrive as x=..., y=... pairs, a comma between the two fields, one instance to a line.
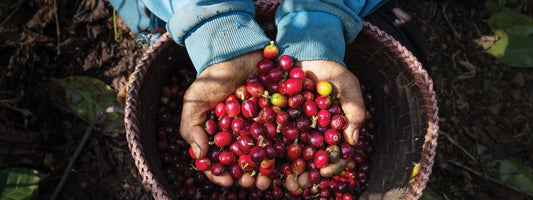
x=406, y=113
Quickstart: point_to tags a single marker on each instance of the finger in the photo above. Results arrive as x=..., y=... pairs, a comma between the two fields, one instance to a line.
x=333, y=169
x=291, y=184
x=303, y=180
x=224, y=180
x=262, y=182
x=246, y=180
x=193, y=116
x=353, y=107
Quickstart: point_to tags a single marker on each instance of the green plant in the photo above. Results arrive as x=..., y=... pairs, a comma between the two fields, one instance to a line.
x=515, y=32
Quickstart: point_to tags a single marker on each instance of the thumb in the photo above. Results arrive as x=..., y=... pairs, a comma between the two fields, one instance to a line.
x=354, y=111
x=197, y=138
x=333, y=169
x=193, y=116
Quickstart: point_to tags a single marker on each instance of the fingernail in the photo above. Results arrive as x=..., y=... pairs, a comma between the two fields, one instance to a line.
x=355, y=136
x=196, y=149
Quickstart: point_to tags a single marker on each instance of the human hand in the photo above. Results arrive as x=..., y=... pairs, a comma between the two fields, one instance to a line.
x=212, y=86
x=346, y=89
x=296, y=183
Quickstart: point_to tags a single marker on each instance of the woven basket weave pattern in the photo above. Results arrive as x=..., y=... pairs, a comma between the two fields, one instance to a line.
x=407, y=113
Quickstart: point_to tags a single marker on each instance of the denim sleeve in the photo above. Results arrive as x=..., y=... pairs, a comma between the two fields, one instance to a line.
x=213, y=31
x=320, y=29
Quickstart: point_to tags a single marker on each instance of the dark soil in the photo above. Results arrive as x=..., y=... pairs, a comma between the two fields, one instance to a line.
x=481, y=101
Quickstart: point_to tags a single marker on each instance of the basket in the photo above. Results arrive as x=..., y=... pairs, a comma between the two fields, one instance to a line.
x=406, y=113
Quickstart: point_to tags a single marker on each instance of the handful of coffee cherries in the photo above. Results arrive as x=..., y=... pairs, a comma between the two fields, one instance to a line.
x=280, y=124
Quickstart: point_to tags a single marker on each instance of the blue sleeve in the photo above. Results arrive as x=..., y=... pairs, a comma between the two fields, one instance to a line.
x=213, y=31
x=320, y=29
x=132, y=12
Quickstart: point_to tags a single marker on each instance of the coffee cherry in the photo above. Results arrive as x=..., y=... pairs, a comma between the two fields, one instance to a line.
x=246, y=163
x=279, y=100
x=257, y=154
x=332, y=136
x=338, y=122
x=264, y=65
x=347, y=150
x=255, y=89
x=316, y=139
x=274, y=75
x=297, y=73
x=310, y=108
x=314, y=176
x=293, y=86
x=217, y=169
x=308, y=152
x=222, y=139
x=334, y=153
x=210, y=126
x=202, y=164
x=249, y=109
x=224, y=123
x=270, y=51
x=296, y=100
x=226, y=158
x=294, y=151
x=285, y=63
x=290, y=132
x=323, y=118
x=235, y=171
x=324, y=88
x=320, y=159
x=323, y=102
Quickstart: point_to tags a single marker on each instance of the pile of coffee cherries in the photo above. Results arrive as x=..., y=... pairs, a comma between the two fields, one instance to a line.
x=280, y=124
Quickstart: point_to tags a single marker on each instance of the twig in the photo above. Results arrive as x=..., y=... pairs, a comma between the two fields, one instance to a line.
x=472, y=13
x=58, y=31
x=457, y=35
x=18, y=5
x=80, y=148
x=488, y=178
x=458, y=145
x=115, y=24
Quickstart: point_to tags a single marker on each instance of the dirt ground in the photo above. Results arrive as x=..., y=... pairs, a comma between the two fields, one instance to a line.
x=481, y=101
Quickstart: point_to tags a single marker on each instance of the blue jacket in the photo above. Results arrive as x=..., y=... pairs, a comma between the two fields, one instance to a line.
x=215, y=30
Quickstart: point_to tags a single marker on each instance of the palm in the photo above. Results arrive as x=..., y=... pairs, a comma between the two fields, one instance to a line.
x=212, y=86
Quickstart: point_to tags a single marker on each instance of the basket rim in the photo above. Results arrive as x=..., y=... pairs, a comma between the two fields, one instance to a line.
x=425, y=83
x=422, y=80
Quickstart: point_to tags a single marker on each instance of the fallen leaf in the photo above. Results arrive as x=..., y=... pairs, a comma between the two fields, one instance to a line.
x=91, y=11
x=96, y=96
x=19, y=184
x=98, y=56
x=41, y=18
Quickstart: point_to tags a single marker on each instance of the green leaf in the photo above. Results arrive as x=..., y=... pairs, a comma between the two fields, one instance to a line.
x=515, y=46
x=511, y=21
x=18, y=184
x=514, y=50
x=511, y=171
x=495, y=5
x=89, y=96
